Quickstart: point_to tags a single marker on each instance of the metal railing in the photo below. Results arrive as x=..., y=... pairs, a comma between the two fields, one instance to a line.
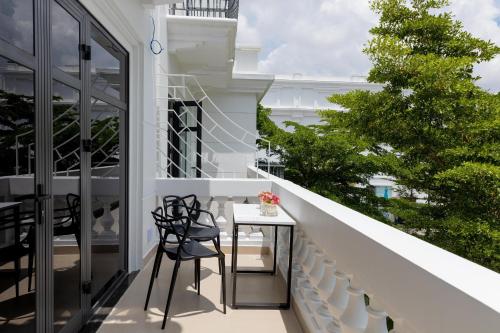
x=180, y=88
x=206, y=8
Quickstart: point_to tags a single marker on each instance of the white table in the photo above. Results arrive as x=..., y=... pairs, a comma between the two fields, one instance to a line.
x=248, y=214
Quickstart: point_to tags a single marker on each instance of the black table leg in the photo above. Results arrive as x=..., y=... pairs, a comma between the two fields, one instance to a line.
x=289, y=277
x=263, y=305
x=275, y=248
x=17, y=241
x=235, y=263
x=232, y=249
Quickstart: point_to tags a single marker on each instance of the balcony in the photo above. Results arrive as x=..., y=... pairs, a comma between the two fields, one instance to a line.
x=206, y=8
x=350, y=273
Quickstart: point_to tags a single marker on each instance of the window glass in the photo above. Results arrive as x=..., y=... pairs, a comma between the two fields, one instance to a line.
x=107, y=63
x=65, y=41
x=16, y=23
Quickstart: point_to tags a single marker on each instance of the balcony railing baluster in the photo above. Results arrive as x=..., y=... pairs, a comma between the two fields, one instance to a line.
x=207, y=8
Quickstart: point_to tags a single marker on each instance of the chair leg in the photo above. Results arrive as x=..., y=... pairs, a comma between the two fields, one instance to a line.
x=217, y=246
x=17, y=267
x=153, y=274
x=198, y=269
x=222, y=262
x=170, y=292
x=195, y=275
x=159, y=264
x=30, y=269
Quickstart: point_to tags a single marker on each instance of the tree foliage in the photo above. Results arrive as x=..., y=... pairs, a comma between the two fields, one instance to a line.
x=441, y=125
x=326, y=159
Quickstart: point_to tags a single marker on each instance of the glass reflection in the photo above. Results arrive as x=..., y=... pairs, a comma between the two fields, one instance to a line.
x=106, y=258
x=107, y=63
x=65, y=41
x=66, y=194
x=17, y=217
x=16, y=23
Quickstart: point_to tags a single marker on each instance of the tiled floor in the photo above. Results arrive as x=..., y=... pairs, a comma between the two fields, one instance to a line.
x=193, y=313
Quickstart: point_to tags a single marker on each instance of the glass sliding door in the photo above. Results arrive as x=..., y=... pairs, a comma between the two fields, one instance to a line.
x=66, y=165
x=67, y=199
x=107, y=120
x=63, y=176
x=17, y=190
x=17, y=170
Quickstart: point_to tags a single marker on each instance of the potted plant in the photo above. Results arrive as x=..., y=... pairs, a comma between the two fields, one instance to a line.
x=268, y=203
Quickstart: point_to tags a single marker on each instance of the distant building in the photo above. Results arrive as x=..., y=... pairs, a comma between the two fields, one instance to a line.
x=298, y=98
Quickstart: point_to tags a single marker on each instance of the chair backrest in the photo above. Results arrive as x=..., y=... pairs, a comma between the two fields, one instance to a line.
x=8, y=222
x=73, y=202
x=175, y=206
x=177, y=226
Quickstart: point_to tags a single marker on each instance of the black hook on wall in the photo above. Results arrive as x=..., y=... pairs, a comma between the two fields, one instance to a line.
x=155, y=45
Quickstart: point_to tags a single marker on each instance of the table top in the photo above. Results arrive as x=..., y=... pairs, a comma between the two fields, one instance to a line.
x=7, y=205
x=250, y=214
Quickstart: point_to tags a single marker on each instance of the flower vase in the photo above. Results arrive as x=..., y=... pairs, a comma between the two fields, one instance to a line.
x=267, y=209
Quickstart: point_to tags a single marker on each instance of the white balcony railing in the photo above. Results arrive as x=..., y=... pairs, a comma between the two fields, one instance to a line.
x=352, y=272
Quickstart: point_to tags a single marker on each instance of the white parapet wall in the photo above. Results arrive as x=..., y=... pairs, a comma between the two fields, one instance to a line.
x=421, y=287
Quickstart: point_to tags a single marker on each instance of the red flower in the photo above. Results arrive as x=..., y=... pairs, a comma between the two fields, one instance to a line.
x=269, y=198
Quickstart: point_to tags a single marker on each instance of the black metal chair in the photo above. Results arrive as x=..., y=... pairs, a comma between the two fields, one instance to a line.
x=21, y=247
x=67, y=219
x=175, y=206
x=182, y=249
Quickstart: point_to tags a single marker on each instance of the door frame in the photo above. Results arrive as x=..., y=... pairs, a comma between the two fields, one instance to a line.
x=175, y=141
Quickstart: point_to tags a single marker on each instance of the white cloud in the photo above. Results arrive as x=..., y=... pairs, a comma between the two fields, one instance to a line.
x=481, y=18
x=326, y=37
x=247, y=34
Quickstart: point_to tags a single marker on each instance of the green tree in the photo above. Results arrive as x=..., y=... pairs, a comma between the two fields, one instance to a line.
x=443, y=128
x=326, y=159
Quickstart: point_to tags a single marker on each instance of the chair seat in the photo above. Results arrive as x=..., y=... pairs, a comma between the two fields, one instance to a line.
x=201, y=234
x=191, y=250
x=12, y=252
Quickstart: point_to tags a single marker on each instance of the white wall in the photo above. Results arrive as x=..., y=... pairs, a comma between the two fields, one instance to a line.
x=246, y=59
x=225, y=150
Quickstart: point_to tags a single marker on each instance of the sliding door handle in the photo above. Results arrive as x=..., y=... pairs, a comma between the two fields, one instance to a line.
x=39, y=199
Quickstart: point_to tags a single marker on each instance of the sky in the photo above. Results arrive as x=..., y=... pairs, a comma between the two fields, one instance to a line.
x=326, y=37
